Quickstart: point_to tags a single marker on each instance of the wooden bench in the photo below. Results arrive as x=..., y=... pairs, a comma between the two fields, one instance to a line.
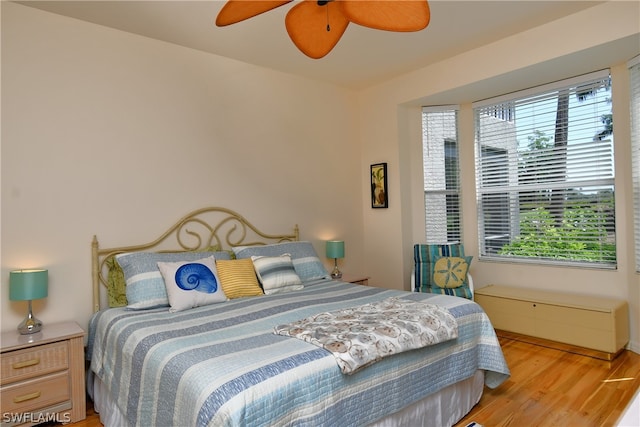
x=591, y=325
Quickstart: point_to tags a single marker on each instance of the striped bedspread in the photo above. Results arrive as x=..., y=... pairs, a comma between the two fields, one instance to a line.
x=222, y=365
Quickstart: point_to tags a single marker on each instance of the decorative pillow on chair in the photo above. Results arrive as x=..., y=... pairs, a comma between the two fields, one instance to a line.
x=439, y=269
x=450, y=272
x=145, y=285
x=276, y=274
x=191, y=283
x=238, y=278
x=305, y=260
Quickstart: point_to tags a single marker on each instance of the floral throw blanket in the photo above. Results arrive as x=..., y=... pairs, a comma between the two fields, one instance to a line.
x=360, y=336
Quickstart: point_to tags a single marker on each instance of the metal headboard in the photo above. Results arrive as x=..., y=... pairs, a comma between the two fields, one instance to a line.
x=203, y=228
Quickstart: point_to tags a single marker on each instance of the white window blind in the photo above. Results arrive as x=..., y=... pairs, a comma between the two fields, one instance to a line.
x=441, y=174
x=545, y=173
x=634, y=71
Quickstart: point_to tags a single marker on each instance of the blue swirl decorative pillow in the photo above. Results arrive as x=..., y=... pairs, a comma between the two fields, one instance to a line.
x=145, y=286
x=191, y=283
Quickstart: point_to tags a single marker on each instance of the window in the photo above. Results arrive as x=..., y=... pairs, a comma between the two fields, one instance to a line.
x=441, y=174
x=545, y=174
x=634, y=71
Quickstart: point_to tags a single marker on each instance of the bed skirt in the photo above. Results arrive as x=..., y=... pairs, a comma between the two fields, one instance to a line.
x=444, y=408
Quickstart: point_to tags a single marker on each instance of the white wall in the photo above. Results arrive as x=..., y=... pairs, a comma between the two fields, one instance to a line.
x=113, y=134
x=603, y=36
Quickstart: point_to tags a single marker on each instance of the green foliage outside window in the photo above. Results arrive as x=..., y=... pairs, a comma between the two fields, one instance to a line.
x=540, y=237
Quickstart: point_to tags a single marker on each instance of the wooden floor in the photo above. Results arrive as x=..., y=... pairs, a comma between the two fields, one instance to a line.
x=548, y=387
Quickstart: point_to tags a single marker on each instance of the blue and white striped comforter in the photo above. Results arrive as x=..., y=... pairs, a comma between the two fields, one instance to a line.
x=222, y=365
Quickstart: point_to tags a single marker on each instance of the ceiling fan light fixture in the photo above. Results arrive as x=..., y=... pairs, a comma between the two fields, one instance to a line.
x=315, y=27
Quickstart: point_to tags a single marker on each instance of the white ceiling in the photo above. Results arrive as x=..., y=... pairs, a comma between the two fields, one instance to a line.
x=363, y=56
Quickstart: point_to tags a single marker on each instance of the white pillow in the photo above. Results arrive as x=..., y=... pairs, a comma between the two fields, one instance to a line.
x=276, y=274
x=191, y=283
x=145, y=287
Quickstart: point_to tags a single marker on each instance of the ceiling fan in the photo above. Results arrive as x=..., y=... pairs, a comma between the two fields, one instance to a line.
x=315, y=26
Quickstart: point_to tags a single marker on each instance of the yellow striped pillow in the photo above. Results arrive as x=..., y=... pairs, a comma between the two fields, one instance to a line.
x=238, y=278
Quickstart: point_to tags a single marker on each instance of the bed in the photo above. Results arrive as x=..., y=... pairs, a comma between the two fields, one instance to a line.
x=222, y=362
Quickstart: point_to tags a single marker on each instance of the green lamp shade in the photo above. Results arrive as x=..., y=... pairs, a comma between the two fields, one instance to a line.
x=335, y=249
x=28, y=285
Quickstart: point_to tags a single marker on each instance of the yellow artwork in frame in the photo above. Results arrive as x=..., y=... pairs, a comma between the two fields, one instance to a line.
x=379, y=193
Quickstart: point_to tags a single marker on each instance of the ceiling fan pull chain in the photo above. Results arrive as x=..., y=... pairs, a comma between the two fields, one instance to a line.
x=328, y=27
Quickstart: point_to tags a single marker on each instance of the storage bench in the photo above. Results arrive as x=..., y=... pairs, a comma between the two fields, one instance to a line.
x=595, y=326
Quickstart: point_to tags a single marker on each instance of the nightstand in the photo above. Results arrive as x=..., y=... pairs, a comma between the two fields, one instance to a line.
x=43, y=375
x=356, y=279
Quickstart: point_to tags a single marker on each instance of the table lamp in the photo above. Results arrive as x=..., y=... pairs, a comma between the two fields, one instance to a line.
x=27, y=285
x=335, y=250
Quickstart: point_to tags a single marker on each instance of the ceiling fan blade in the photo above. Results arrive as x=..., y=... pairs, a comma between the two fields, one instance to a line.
x=238, y=10
x=315, y=29
x=389, y=15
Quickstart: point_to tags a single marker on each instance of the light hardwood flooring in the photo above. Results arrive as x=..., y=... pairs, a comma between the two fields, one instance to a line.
x=548, y=387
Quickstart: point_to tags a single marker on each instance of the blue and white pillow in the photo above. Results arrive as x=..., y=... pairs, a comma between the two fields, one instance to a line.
x=192, y=283
x=276, y=274
x=145, y=286
x=305, y=260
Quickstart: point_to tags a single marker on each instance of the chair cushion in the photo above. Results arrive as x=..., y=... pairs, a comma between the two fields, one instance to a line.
x=441, y=269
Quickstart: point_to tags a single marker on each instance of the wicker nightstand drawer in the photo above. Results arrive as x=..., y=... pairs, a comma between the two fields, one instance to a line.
x=43, y=375
x=36, y=393
x=32, y=362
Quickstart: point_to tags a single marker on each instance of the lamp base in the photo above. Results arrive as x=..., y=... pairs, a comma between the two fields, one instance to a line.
x=30, y=325
x=336, y=274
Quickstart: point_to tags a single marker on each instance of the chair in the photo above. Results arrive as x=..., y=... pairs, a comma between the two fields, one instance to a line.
x=442, y=269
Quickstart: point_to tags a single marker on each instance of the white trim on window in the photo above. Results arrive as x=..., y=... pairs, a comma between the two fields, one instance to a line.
x=441, y=174
x=634, y=107
x=549, y=87
x=545, y=180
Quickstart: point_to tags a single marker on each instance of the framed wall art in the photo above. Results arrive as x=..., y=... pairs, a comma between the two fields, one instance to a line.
x=379, y=194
